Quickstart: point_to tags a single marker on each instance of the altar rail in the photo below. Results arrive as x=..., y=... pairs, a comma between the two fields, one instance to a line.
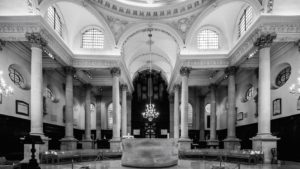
x=51, y=157
x=249, y=156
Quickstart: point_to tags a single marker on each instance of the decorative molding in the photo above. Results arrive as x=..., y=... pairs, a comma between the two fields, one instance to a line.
x=270, y=6
x=2, y=44
x=206, y=63
x=69, y=70
x=36, y=40
x=183, y=25
x=117, y=26
x=265, y=40
x=231, y=70
x=93, y=63
x=152, y=13
x=115, y=71
x=298, y=45
x=185, y=71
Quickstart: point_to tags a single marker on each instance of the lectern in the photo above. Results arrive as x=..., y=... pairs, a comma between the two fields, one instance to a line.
x=33, y=140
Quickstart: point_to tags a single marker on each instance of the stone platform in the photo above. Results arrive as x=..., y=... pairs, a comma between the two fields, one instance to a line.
x=149, y=153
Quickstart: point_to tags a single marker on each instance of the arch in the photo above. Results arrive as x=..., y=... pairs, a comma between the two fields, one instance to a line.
x=154, y=67
x=85, y=4
x=109, y=109
x=254, y=3
x=143, y=27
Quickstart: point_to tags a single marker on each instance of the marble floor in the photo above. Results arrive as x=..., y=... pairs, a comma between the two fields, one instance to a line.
x=182, y=164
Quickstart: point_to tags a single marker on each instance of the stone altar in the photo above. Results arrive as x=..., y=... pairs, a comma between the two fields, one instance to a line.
x=149, y=153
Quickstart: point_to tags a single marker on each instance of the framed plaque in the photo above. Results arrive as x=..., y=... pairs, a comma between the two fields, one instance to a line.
x=22, y=108
x=276, y=107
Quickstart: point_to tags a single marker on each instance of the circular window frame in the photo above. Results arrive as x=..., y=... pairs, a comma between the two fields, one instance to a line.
x=22, y=73
x=277, y=70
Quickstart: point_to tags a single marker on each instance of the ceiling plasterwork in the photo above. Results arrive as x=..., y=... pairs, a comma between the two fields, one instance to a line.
x=183, y=25
x=117, y=26
x=152, y=13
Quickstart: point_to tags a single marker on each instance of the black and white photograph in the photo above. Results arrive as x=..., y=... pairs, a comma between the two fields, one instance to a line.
x=177, y=84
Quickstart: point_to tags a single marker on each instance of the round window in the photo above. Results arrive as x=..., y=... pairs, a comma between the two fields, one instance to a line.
x=16, y=77
x=283, y=76
x=250, y=93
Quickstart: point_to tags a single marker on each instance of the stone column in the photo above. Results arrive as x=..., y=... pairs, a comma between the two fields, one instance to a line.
x=184, y=141
x=176, y=111
x=124, y=109
x=87, y=142
x=202, y=119
x=36, y=94
x=231, y=142
x=69, y=142
x=213, y=142
x=98, y=117
x=264, y=141
x=171, y=107
x=129, y=97
x=115, y=141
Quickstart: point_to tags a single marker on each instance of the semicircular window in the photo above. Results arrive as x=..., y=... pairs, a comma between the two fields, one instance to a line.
x=283, y=76
x=49, y=94
x=250, y=93
x=16, y=77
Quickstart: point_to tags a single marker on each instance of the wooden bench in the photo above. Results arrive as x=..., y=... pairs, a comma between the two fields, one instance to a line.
x=77, y=155
x=225, y=155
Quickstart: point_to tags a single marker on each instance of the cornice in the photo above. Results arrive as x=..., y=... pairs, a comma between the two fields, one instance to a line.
x=205, y=63
x=93, y=63
x=152, y=13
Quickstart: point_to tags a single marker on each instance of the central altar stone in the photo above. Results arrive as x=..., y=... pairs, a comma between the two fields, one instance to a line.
x=149, y=153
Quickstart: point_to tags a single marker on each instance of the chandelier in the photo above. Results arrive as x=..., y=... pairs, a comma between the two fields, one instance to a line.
x=4, y=89
x=295, y=88
x=150, y=113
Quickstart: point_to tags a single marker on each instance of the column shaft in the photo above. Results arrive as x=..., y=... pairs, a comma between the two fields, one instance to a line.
x=184, y=108
x=69, y=104
x=116, y=106
x=98, y=117
x=88, y=113
x=124, y=110
x=36, y=96
x=176, y=112
x=213, y=113
x=231, y=116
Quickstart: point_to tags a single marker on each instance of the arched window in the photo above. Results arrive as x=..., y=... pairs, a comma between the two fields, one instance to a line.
x=283, y=76
x=250, y=93
x=208, y=39
x=93, y=108
x=93, y=38
x=110, y=115
x=49, y=94
x=245, y=20
x=16, y=77
x=54, y=20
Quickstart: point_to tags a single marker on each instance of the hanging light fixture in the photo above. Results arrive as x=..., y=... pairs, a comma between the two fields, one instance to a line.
x=4, y=88
x=150, y=113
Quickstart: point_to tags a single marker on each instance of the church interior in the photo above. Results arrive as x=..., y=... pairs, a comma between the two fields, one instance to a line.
x=176, y=79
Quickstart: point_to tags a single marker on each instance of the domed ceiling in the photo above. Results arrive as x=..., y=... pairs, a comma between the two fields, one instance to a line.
x=150, y=3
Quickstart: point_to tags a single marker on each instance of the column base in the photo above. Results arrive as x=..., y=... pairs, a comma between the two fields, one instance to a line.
x=184, y=144
x=38, y=147
x=265, y=142
x=87, y=144
x=213, y=144
x=232, y=143
x=115, y=144
x=68, y=143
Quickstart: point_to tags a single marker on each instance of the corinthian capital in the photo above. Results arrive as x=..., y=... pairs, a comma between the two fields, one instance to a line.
x=70, y=70
x=115, y=71
x=231, y=70
x=2, y=43
x=124, y=87
x=36, y=40
x=185, y=71
x=265, y=41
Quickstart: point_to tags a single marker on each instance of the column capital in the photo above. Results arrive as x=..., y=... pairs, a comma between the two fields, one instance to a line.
x=171, y=97
x=124, y=87
x=213, y=86
x=115, y=71
x=69, y=70
x=231, y=70
x=297, y=44
x=185, y=71
x=265, y=41
x=36, y=40
x=87, y=86
x=176, y=87
x=2, y=43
